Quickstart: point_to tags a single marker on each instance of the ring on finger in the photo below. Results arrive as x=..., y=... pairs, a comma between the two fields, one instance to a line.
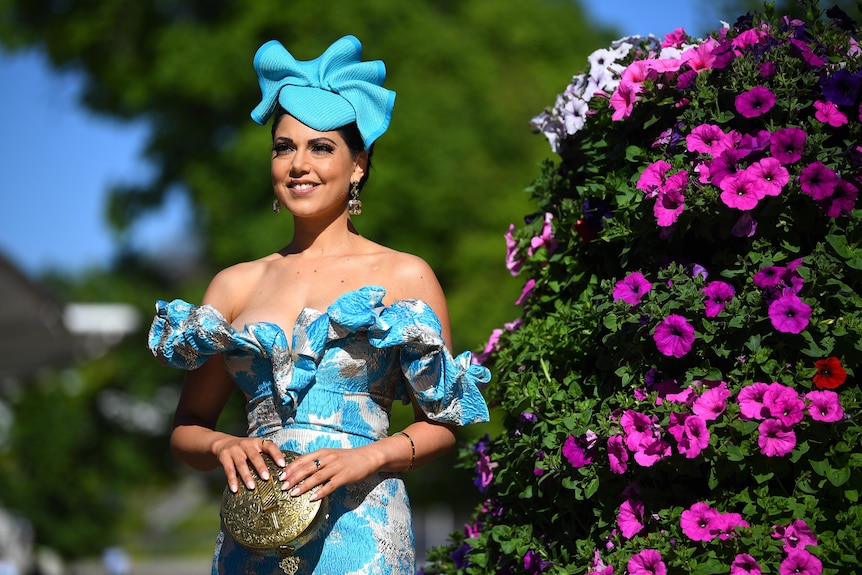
x=263, y=443
x=317, y=463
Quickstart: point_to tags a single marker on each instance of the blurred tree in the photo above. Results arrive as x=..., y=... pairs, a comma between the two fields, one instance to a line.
x=447, y=180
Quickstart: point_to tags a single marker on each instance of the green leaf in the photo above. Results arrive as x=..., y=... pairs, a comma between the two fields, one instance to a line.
x=838, y=477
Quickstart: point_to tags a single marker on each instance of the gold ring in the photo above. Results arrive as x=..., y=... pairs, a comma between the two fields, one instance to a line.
x=263, y=443
x=317, y=463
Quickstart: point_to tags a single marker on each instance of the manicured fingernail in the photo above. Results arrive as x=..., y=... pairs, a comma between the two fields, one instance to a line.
x=313, y=497
x=265, y=475
x=250, y=484
x=295, y=491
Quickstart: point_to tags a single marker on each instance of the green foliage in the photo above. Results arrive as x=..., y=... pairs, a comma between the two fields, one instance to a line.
x=594, y=472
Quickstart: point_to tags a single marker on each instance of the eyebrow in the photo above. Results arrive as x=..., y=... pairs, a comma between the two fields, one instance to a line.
x=320, y=140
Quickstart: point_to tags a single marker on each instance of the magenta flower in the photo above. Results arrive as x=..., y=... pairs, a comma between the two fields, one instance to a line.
x=744, y=564
x=842, y=200
x=652, y=179
x=700, y=522
x=787, y=145
x=484, y=472
x=638, y=429
x=690, y=432
x=828, y=113
x=577, y=451
x=668, y=206
x=630, y=517
x=784, y=404
x=632, y=288
x=623, y=99
x=707, y=139
x=775, y=439
x=717, y=295
x=768, y=277
x=750, y=400
x=674, y=336
x=824, y=405
x=770, y=175
x=797, y=535
x=653, y=450
x=513, y=262
x=745, y=226
x=545, y=239
x=728, y=522
x=534, y=564
x=818, y=181
x=712, y=403
x=647, y=562
x=741, y=190
x=618, y=456
x=724, y=165
x=800, y=562
x=490, y=347
x=755, y=102
x=789, y=314
x=526, y=292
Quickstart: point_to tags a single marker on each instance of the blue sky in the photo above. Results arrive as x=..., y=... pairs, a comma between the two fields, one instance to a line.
x=57, y=161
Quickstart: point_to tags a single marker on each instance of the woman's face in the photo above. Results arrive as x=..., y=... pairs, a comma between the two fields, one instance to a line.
x=311, y=170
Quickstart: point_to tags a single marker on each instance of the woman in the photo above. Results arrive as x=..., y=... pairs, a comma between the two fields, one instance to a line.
x=322, y=336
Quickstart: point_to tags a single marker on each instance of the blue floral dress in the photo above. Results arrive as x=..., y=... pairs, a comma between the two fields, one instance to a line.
x=332, y=386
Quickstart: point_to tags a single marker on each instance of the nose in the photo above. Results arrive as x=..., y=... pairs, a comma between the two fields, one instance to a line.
x=299, y=162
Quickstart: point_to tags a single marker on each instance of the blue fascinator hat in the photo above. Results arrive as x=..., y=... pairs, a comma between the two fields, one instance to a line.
x=326, y=93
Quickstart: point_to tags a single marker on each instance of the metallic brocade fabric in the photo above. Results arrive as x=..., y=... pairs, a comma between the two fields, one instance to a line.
x=332, y=386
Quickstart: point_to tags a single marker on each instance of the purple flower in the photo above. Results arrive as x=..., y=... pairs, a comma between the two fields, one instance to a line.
x=824, y=405
x=708, y=139
x=526, y=292
x=618, y=456
x=745, y=226
x=513, y=262
x=700, y=522
x=842, y=200
x=744, y=564
x=490, y=347
x=545, y=239
x=460, y=556
x=690, y=433
x=632, y=288
x=768, y=277
x=755, y=102
x=717, y=294
x=828, y=113
x=637, y=427
x=766, y=70
x=787, y=145
x=797, y=535
x=818, y=181
x=771, y=175
x=789, y=314
x=775, y=439
x=577, y=450
x=630, y=517
x=800, y=562
x=534, y=564
x=841, y=87
x=674, y=336
x=647, y=562
x=712, y=402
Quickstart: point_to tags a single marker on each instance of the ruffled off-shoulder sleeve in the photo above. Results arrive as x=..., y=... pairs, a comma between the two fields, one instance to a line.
x=445, y=387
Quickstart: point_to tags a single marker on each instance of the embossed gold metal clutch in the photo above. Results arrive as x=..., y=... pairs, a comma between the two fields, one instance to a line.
x=268, y=521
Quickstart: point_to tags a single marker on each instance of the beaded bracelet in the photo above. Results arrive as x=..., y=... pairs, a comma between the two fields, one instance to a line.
x=412, y=449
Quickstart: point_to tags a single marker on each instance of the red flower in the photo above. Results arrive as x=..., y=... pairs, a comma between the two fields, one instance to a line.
x=829, y=374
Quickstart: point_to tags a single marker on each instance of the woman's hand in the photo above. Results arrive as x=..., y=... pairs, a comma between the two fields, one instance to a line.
x=238, y=455
x=329, y=469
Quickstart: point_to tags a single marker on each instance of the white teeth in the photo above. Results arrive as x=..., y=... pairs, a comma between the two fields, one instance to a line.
x=302, y=186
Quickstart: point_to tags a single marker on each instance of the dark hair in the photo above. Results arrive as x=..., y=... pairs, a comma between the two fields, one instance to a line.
x=351, y=136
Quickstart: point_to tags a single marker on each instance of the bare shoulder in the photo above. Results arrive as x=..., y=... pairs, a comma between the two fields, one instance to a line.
x=230, y=287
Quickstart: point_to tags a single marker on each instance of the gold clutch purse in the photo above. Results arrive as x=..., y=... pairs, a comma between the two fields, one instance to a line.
x=268, y=521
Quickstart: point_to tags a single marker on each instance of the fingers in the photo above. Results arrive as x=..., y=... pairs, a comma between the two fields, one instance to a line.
x=309, y=471
x=245, y=455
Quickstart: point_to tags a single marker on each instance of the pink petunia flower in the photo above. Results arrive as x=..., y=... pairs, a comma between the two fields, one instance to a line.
x=618, y=456
x=744, y=564
x=796, y=535
x=728, y=522
x=707, y=139
x=630, y=518
x=700, y=522
x=818, y=181
x=652, y=179
x=750, y=400
x=652, y=451
x=577, y=451
x=725, y=164
x=824, y=405
x=513, y=262
x=693, y=436
x=787, y=144
x=545, y=239
x=775, y=439
x=771, y=175
x=717, y=294
x=668, y=206
x=789, y=314
x=623, y=99
x=674, y=336
x=490, y=347
x=828, y=113
x=647, y=562
x=768, y=276
x=632, y=288
x=784, y=404
x=755, y=102
x=800, y=562
x=742, y=190
x=712, y=403
x=526, y=292
x=637, y=428
x=702, y=56
x=745, y=226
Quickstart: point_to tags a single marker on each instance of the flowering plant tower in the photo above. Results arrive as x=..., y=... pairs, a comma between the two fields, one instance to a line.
x=678, y=392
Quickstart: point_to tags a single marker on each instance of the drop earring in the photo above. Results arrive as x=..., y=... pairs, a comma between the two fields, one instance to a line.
x=276, y=206
x=354, y=204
